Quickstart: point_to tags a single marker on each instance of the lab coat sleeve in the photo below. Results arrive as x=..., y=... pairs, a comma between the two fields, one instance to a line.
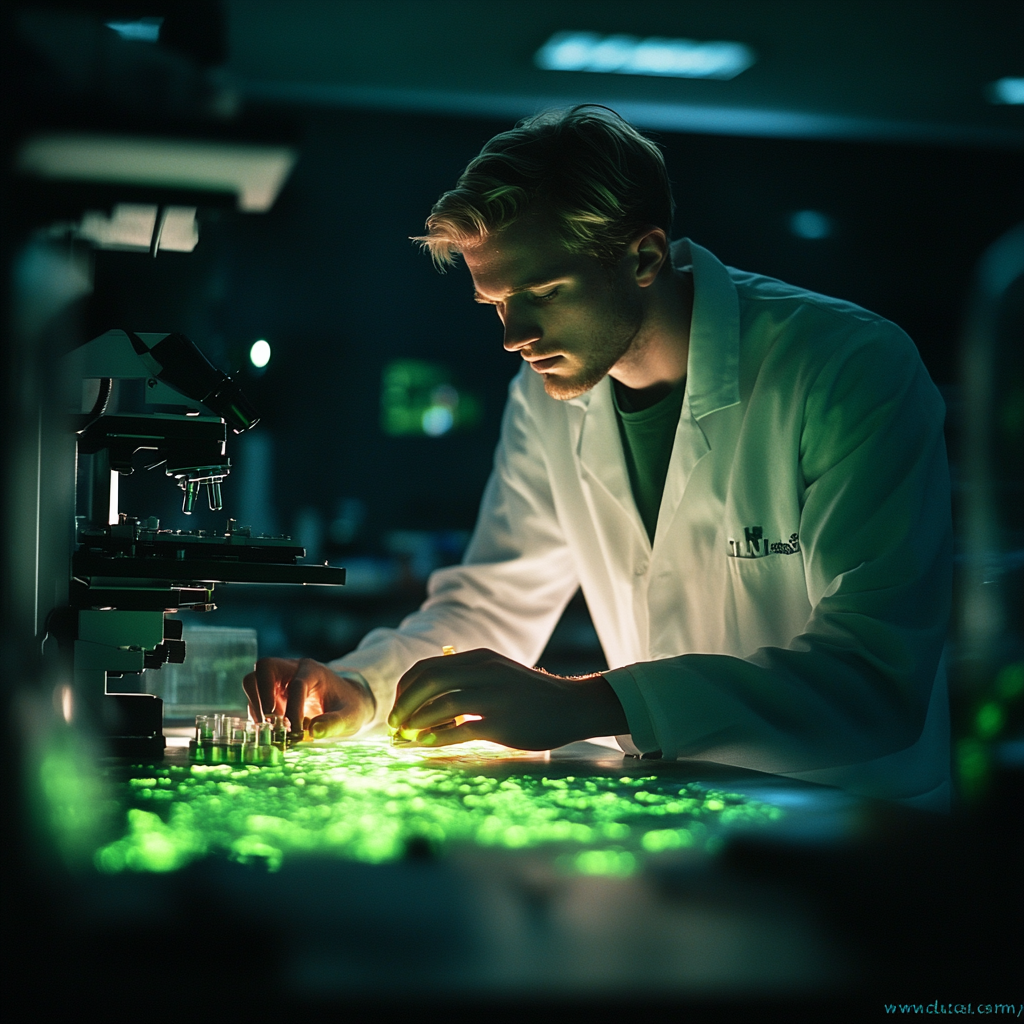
x=515, y=579
x=876, y=540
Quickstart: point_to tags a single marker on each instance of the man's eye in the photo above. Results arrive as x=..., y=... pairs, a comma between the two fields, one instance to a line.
x=547, y=296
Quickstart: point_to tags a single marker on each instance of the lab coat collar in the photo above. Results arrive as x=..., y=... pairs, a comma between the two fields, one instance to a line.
x=713, y=366
x=712, y=384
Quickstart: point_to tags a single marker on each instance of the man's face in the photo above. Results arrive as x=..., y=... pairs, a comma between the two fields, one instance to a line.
x=568, y=316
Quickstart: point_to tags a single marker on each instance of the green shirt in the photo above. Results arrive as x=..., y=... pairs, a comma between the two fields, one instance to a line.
x=647, y=439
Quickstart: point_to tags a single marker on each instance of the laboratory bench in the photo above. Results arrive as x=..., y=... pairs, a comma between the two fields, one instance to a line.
x=472, y=878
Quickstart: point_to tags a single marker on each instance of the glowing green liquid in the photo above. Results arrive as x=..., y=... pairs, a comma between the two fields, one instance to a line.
x=367, y=801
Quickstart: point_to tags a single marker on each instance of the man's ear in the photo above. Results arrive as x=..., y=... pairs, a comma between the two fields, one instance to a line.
x=651, y=250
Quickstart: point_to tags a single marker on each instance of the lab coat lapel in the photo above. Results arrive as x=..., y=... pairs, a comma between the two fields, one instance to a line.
x=713, y=365
x=600, y=453
x=712, y=372
x=689, y=447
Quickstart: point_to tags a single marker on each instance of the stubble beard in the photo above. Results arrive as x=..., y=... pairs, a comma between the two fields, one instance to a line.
x=622, y=333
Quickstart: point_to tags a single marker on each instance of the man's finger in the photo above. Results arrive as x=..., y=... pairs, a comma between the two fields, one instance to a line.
x=476, y=730
x=447, y=663
x=253, y=696
x=298, y=686
x=424, y=682
x=438, y=712
x=271, y=676
x=332, y=724
x=412, y=675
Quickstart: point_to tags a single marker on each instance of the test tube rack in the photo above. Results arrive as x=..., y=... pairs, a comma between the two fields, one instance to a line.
x=222, y=739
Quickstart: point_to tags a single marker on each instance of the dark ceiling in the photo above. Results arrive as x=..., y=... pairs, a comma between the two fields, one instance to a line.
x=904, y=70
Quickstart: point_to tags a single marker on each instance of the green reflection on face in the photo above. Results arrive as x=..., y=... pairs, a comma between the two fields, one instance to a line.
x=367, y=801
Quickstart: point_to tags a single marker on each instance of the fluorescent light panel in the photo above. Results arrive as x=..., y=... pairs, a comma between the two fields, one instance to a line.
x=629, y=55
x=254, y=173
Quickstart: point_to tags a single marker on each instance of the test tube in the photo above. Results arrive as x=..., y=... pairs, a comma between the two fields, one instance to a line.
x=236, y=739
x=250, y=744
x=195, y=745
x=280, y=732
x=265, y=740
x=218, y=746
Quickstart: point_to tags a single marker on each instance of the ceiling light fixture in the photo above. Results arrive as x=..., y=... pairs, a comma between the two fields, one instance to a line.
x=629, y=55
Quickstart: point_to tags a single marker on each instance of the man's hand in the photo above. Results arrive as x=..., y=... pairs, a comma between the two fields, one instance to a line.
x=518, y=706
x=306, y=689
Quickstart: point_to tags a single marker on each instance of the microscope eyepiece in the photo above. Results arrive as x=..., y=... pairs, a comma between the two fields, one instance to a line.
x=176, y=361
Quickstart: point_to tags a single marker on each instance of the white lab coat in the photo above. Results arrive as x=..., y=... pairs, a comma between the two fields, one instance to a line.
x=811, y=431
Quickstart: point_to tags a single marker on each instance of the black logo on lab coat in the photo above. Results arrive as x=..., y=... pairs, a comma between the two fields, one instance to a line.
x=755, y=544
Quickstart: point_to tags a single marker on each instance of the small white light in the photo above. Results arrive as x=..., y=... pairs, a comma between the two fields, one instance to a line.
x=437, y=420
x=810, y=224
x=259, y=354
x=1007, y=90
x=628, y=55
x=64, y=701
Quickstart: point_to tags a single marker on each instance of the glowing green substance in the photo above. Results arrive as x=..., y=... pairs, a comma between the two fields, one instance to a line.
x=367, y=801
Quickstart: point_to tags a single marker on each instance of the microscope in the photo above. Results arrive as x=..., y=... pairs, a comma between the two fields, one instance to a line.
x=124, y=145
x=151, y=401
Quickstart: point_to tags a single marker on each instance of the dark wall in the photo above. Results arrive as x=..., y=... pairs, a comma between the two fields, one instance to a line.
x=910, y=222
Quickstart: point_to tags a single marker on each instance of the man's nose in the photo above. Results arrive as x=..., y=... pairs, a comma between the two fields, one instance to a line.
x=520, y=331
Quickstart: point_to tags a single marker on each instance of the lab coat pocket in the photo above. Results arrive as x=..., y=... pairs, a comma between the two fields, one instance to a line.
x=766, y=603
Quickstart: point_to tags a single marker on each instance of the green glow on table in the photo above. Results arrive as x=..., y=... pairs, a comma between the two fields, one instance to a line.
x=366, y=801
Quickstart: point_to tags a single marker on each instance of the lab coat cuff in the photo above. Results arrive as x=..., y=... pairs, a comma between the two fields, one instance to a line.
x=360, y=681
x=373, y=725
x=633, y=704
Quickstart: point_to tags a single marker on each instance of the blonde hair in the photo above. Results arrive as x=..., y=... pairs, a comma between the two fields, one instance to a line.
x=602, y=179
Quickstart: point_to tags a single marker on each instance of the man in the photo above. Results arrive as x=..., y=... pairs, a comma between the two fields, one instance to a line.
x=747, y=480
